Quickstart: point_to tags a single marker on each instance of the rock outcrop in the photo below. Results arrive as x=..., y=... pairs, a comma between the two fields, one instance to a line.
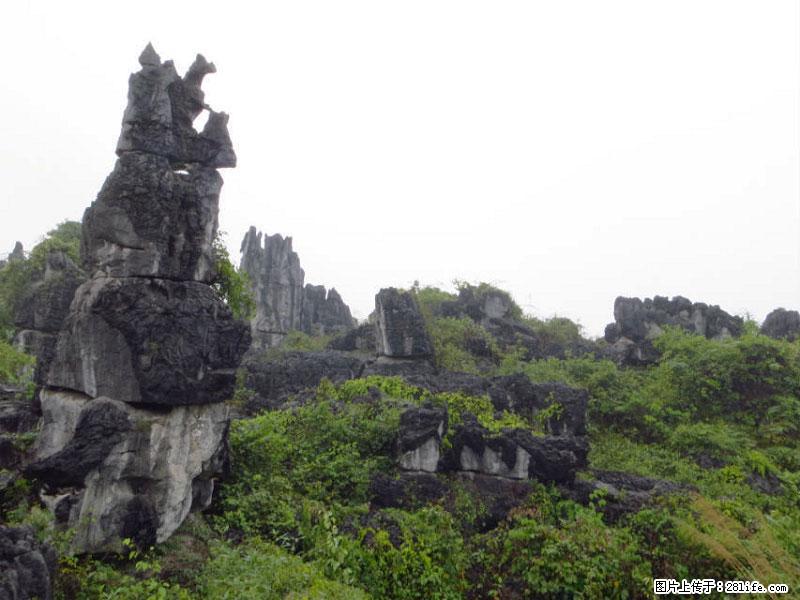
x=782, y=324
x=499, y=315
x=637, y=322
x=18, y=253
x=283, y=303
x=41, y=311
x=511, y=453
x=27, y=567
x=399, y=327
x=134, y=428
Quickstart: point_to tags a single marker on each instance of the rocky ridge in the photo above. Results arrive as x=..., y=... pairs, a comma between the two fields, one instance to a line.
x=283, y=302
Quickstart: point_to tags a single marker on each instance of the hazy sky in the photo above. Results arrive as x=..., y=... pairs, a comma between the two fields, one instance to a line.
x=569, y=152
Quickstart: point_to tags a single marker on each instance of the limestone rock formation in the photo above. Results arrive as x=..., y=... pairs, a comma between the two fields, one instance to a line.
x=18, y=253
x=399, y=327
x=782, y=324
x=283, y=303
x=277, y=282
x=42, y=309
x=27, y=567
x=134, y=427
x=324, y=312
x=112, y=467
x=637, y=322
x=276, y=379
x=497, y=313
x=360, y=339
x=512, y=453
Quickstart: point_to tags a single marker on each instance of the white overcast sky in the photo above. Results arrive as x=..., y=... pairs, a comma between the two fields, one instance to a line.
x=567, y=151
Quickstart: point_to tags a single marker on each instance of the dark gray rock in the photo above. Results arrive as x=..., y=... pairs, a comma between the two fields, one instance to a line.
x=27, y=567
x=100, y=427
x=277, y=282
x=17, y=254
x=283, y=304
x=419, y=439
x=637, y=322
x=782, y=324
x=276, y=376
x=152, y=221
x=40, y=313
x=17, y=414
x=135, y=427
x=324, y=312
x=113, y=470
x=399, y=327
x=517, y=394
x=360, y=339
x=161, y=109
x=149, y=341
x=516, y=454
x=622, y=493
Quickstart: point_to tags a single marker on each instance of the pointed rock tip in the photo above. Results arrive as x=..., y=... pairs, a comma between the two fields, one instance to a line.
x=149, y=56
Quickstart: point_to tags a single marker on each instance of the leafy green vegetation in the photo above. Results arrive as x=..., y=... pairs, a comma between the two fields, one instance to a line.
x=232, y=285
x=717, y=420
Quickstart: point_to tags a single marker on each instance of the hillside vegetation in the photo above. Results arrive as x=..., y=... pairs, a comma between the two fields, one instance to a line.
x=296, y=517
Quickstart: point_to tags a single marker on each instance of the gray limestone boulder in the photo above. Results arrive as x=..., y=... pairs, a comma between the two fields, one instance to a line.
x=27, y=567
x=114, y=471
x=161, y=109
x=419, y=439
x=782, y=324
x=150, y=220
x=360, y=339
x=40, y=313
x=283, y=302
x=276, y=377
x=324, y=312
x=277, y=282
x=638, y=322
x=399, y=327
x=149, y=341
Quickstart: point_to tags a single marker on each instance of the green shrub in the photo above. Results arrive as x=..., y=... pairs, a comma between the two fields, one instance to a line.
x=555, y=548
x=257, y=569
x=231, y=284
x=16, y=368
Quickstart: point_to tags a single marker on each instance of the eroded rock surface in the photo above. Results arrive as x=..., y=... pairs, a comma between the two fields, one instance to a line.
x=41, y=311
x=134, y=430
x=27, y=567
x=149, y=341
x=399, y=327
x=128, y=471
x=637, y=322
x=283, y=302
x=782, y=324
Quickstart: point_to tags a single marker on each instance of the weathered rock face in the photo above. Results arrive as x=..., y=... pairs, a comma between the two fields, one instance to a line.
x=134, y=429
x=161, y=108
x=496, y=312
x=512, y=453
x=399, y=327
x=782, y=324
x=27, y=567
x=152, y=221
x=360, y=339
x=276, y=379
x=277, y=280
x=637, y=323
x=149, y=341
x=324, y=312
x=41, y=311
x=283, y=304
x=125, y=471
